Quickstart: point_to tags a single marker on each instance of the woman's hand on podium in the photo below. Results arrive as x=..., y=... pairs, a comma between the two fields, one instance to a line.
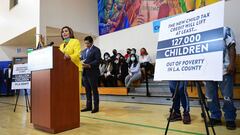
x=66, y=57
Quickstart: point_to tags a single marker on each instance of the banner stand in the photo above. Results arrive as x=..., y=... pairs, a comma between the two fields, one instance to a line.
x=21, y=80
x=202, y=102
x=28, y=106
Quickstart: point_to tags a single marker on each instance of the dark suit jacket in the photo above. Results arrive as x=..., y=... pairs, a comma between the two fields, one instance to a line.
x=93, y=58
x=124, y=69
x=6, y=75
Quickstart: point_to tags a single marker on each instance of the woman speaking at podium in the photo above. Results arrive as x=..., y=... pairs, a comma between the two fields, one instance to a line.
x=71, y=48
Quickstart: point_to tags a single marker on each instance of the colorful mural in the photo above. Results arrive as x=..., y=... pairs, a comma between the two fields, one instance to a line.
x=114, y=15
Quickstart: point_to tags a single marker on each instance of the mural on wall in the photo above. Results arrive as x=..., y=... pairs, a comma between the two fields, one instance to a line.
x=114, y=15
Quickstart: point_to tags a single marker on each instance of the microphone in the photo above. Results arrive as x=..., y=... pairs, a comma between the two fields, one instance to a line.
x=50, y=44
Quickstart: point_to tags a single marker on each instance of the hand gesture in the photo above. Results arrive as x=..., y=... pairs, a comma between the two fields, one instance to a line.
x=66, y=57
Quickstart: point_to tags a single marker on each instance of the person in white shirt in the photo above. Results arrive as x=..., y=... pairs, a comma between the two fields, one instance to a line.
x=134, y=71
x=144, y=57
x=145, y=63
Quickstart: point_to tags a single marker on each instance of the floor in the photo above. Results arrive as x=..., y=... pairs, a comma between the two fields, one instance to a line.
x=114, y=118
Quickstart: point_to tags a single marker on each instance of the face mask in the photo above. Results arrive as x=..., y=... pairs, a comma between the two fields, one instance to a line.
x=106, y=57
x=66, y=40
x=132, y=58
x=142, y=52
x=132, y=52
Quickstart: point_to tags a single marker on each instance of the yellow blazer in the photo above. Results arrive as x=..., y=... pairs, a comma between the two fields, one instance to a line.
x=73, y=49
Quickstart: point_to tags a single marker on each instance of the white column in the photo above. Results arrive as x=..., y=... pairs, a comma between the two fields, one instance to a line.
x=41, y=24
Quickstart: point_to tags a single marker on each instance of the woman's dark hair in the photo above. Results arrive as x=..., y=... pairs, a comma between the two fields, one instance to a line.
x=129, y=51
x=135, y=62
x=71, y=33
x=134, y=49
x=106, y=53
x=122, y=59
x=120, y=55
x=146, y=53
x=89, y=39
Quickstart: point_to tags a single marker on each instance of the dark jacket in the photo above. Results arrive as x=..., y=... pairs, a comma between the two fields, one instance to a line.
x=93, y=58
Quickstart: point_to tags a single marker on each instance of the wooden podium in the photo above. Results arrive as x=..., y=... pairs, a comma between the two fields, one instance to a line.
x=55, y=91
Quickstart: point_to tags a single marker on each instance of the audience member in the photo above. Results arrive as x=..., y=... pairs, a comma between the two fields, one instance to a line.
x=8, y=78
x=113, y=57
x=134, y=71
x=108, y=77
x=180, y=97
x=127, y=55
x=133, y=51
x=122, y=69
x=226, y=85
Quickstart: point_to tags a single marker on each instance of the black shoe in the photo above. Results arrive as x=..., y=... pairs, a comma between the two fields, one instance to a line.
x=186, y=118
x=231, y=125
x=95, y=110
x=86, y=109
x=175, y=117
x=215, y=122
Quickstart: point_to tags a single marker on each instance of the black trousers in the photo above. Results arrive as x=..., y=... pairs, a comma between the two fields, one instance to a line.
x=9, y=84
x=91, y=86
x=148, y=67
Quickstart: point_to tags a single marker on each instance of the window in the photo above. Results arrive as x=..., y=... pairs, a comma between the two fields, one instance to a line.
x=13, y=3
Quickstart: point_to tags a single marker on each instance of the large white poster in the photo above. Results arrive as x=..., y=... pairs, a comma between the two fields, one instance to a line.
x=190, y=45
x=21, y=78
x=40, y=59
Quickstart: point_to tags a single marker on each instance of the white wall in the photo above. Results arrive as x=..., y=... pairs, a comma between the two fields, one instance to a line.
x=3, y=55
x=8, y=52
x=232, y=19
x=135, y=37
x=142, y=36
x=19, y=19
x=81, y=15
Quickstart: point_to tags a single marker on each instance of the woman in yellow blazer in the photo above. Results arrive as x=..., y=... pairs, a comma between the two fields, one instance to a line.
x=71, y=48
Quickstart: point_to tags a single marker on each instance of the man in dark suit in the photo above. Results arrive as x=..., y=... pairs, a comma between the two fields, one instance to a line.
x=91, y=56
x=8, y=78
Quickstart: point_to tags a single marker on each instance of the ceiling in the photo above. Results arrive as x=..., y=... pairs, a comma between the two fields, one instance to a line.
x=28, y=39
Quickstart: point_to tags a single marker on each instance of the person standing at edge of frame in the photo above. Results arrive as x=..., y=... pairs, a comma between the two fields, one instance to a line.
x=226, y=85
x=71, y=48
x=8, y=79
x=180, y=97
x=91, y=72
